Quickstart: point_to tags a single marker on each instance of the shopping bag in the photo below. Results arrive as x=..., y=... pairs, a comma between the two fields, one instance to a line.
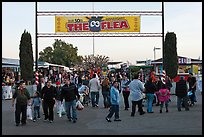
x=29, y=112
x=79, y=106
x=62, y=110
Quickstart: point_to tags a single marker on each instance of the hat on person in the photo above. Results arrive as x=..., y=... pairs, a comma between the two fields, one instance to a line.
x=57, y=83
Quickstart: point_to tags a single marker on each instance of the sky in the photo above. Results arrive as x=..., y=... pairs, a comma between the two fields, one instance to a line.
x=182, y=18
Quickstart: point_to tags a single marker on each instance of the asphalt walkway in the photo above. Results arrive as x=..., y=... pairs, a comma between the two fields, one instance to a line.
x=91, y=121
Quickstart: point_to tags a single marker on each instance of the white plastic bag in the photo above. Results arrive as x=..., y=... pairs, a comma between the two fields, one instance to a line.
x=29, y=112
x=79, y=106
x=62, y=110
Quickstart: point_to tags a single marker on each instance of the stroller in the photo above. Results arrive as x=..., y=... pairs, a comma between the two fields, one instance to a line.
x=84, y=95
x=189, y=99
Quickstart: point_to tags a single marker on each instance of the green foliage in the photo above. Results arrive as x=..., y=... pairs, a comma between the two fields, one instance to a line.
x=133, y=70
x=60, y=53
x=26, y=57
x=91, y=61
x=170, y=57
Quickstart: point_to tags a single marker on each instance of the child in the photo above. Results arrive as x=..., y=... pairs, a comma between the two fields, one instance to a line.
x=36, y=102
x=163, y=96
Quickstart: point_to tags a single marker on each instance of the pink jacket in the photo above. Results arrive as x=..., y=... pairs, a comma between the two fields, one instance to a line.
x=163, y=95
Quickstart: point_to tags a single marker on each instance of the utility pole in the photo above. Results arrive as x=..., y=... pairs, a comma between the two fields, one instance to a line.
x=163, y=35
x=36, y=37
x=93, y=32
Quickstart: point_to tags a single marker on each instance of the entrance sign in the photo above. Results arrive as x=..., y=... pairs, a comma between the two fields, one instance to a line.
x=97, y=24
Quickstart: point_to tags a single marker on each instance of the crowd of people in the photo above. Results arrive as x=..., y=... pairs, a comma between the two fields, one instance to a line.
x=68, y=91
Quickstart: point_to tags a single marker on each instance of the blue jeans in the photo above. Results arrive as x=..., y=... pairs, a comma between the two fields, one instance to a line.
x=71, y=105
x=106, y=99
x=36, y=112
x=150, y=98
x=114, y=109
x=94, y=98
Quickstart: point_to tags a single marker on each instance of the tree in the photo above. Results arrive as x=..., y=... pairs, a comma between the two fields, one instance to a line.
x=26, y=57
x=46, y=54
x=91, y=61
x=61, y=53
x=170, y=58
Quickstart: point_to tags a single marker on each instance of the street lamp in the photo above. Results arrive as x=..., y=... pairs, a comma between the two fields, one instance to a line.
x=155, y=57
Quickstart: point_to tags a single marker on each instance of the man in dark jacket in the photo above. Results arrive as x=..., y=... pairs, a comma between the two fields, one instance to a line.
x=69, y=93
x=22, y=97
x=192, y=87
x=48, y=97
x=181, y=93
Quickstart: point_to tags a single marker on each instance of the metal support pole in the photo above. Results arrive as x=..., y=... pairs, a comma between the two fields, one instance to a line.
x=93, y=33
x=36, y=37
x=154, y=60
x=163, y=35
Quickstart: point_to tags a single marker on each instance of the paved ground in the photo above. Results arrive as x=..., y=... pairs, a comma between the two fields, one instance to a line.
x=91, y=121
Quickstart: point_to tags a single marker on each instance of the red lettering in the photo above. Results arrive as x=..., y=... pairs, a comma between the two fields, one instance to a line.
x=116, y=25
x=124, y=24
x=103, y=25
x=109, y=25
x=86, y=26
x=78, y=27
x=70, y=27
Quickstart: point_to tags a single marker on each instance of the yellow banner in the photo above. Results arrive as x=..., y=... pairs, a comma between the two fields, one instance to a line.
x=97, y=24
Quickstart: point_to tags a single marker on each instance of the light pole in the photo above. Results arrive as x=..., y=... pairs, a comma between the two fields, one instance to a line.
x=93, y=32
x=155, y=57
x=36, y=36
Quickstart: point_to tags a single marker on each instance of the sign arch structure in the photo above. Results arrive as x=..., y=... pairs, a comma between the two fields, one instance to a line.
x=97, y=24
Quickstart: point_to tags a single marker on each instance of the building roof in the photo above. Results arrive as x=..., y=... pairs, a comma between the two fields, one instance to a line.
x=160, y=60
x=182, y=60
x=114, y=62
x=8, y=61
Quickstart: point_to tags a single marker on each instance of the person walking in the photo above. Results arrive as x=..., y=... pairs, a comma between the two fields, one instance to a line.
x=192, y=87
x=106, y=92
x=150, y=89
x=115, y=99
x=48, y=98
x=59, y=100
x=70, y=94
x=22, y=97
x=36, y=103
x=136, y=94
x=200, y=84
x=163, y=96
x=40, y=86
x=125, y=90
x=158, y=84
x=94, y=87
x=181, y=93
